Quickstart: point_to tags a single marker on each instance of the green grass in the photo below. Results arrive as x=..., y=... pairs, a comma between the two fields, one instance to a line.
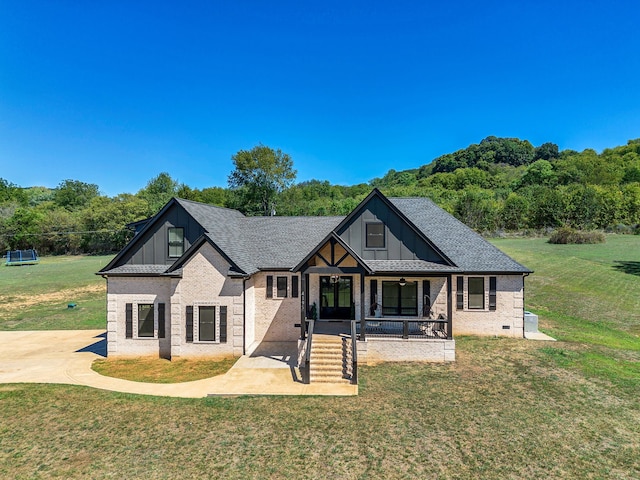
x=587, y=296
x=159, y=370
x=35, y=297
x=577, y=287
x=506, y=408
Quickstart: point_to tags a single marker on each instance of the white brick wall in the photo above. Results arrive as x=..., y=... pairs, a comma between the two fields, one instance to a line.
x=375, y=350
x=509, y=309
x=205, y=282
x=134, y=290
x=275, y=317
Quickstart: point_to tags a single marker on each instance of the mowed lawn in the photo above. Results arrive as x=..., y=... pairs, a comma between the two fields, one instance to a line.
x=36, y=297
x=505, y=409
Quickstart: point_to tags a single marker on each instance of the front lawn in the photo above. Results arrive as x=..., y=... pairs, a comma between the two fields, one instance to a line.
x=159, y=370
x=506, y=408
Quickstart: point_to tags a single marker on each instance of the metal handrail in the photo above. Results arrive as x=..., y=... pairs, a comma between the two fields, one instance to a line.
x=307, y=353
x=354, y=354
x=428, y=327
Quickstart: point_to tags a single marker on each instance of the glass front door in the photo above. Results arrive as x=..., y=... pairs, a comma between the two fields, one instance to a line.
x=336, y=297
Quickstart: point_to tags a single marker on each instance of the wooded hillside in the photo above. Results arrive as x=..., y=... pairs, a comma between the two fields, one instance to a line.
x=498, y=184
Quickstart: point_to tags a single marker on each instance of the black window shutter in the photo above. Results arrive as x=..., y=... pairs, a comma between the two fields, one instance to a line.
x=269, y=286
x=223, y=324
x=161, y=331
x=374, y=291
x=492, y=292
x=294, y=286
x=373, y=296
x=460, y=294
x=189, y=323
x=426, y=297
x=128, y=326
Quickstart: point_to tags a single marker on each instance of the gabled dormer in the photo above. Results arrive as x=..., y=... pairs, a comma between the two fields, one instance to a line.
x=163, y=239
x=377, y=230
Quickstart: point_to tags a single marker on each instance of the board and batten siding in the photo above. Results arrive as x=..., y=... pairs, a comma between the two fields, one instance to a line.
x=153, y=247
x=401, y=241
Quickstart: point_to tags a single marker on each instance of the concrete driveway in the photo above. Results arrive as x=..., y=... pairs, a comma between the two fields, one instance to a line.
x=65, y=356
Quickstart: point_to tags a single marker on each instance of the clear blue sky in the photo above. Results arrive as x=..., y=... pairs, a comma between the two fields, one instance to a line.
x=115, y=92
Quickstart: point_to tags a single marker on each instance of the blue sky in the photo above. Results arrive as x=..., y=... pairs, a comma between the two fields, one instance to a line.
x=115, y=92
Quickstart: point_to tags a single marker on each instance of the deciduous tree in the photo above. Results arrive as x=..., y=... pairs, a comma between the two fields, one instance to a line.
x=259, y=177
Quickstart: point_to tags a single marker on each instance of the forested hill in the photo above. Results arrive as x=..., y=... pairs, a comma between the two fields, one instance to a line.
x=498, y=184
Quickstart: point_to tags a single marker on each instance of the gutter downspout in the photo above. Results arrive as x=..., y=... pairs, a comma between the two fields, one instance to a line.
x=524, y=297
x=244, y=315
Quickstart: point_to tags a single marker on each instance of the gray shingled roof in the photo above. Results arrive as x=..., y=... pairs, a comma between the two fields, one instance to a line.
x=276, y=242
x=403, y=266
x=464, y=247
x=143, y=270
x=264, y=243
x=255, y=243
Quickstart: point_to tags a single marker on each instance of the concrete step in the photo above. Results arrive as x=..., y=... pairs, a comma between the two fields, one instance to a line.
x=330, y=359
x=328, y=379
x=327, y=358
x=326, y=346
x=339, y=373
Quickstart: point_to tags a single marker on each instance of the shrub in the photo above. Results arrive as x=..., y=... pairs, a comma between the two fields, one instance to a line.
x=567, y=235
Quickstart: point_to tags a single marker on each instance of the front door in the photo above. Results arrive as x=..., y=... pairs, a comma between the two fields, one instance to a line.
x=336, y=297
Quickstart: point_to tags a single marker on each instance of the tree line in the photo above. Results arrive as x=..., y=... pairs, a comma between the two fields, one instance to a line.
x=499, y=184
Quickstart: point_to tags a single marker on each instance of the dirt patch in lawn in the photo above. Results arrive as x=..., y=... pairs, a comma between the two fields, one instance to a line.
x=17, y=302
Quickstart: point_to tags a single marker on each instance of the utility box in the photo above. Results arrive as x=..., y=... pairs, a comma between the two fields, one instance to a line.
x=530, y=322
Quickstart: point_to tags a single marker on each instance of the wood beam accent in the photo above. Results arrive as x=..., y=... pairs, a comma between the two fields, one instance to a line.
x=333, y=252
x=323, y=259
x=342, y=259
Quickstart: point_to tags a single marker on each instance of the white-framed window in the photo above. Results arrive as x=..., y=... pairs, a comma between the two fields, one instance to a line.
x=475, y=287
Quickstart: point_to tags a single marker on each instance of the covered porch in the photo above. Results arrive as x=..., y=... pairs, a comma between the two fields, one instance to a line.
x=417, y=306
x=384, y=310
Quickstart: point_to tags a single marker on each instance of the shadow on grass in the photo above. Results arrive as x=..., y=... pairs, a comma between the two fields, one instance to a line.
x=632, y=268
x=99, y=348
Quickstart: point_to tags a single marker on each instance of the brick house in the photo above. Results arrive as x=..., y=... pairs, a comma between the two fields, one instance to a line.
x=400, y=274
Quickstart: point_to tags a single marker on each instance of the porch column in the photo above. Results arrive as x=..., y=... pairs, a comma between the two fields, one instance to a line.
x=449, y=307
x=362, y=309
x=303, y=306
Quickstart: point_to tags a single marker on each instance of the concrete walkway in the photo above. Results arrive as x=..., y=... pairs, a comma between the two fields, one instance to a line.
x=538, y=336
x=65, y=356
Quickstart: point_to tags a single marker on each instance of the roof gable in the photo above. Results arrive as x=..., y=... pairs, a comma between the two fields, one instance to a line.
x=402, y=239
x=204, y=239
x=325, y=252
x=420, y=236
x=148, y=235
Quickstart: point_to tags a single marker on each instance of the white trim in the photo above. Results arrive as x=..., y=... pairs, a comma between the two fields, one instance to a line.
x=465, y=296
x=144, y=300
x=196, y=321
x=275, y=293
